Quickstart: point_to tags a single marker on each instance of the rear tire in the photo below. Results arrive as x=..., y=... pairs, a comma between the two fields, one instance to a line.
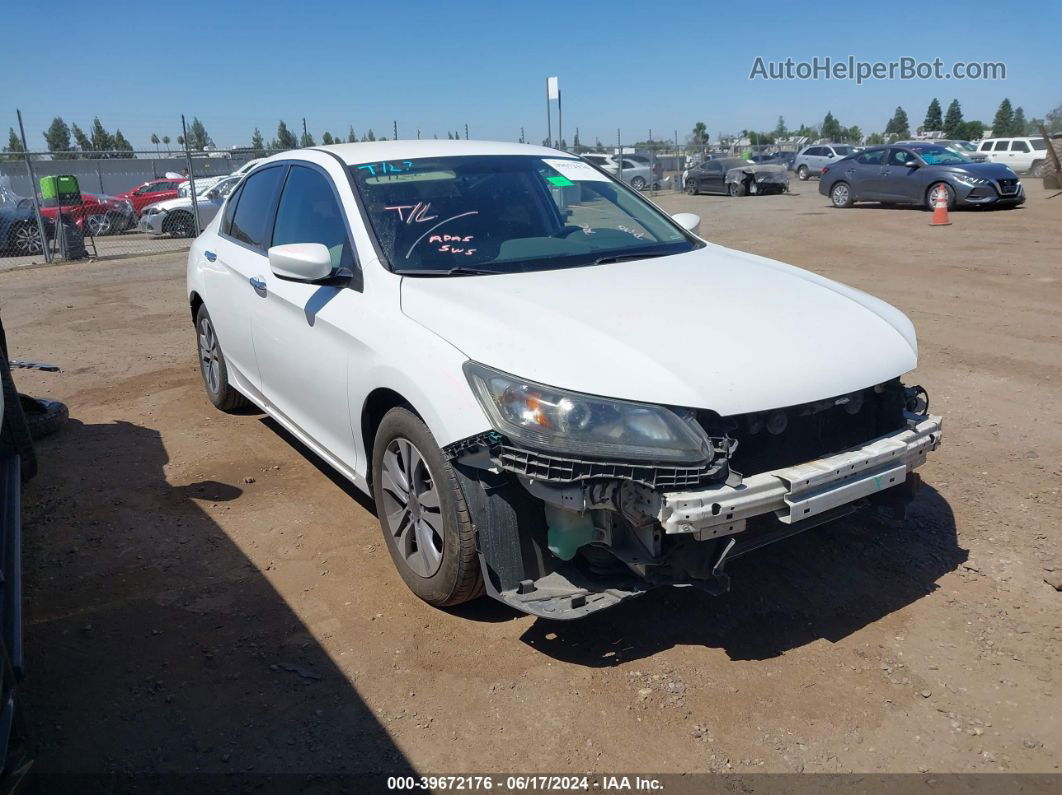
x=841, y=195
x=802, y=173
x=638, y=183
x=1037, y=169
x=25, y=240
x=422, y=511
x=213, y=368
x=691, y=187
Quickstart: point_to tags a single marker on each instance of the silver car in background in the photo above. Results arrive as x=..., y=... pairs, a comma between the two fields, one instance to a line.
x=174, y=216
x=810, y=161
x=636, y=173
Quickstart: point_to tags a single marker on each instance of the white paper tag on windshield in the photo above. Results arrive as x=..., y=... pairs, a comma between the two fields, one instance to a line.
x=575, y=170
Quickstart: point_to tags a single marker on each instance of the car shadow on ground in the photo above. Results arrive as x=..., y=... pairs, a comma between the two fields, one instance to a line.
x=155, y=646
x=824, y=584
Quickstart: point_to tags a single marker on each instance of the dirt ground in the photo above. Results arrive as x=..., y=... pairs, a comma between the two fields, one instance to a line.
x=203, y=595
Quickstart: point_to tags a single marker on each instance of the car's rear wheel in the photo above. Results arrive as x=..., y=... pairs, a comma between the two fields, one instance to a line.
x=934, y=191
x=691, y=187
x=638, y=183
x=213, y=368
x=1037, y=169
x=179, y=224
x=422, y=512
x=802, y=173
x=841, y=195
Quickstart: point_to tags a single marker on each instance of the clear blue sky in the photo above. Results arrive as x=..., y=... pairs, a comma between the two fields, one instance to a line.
x=438, y=65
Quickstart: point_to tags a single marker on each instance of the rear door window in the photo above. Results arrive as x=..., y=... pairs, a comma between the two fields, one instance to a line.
x=1019, y=146
x=1001, y=146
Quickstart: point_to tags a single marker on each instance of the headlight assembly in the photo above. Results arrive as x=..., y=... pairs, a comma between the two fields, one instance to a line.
x=545, y=418
x=967, y=179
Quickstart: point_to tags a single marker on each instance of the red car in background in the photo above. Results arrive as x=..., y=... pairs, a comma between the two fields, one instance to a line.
x=156, y=190
x=96, y=215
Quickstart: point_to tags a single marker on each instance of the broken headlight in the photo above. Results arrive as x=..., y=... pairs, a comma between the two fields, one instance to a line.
x=545, y=418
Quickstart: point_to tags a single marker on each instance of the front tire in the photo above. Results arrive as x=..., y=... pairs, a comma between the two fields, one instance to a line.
x=736, y=189
x=422, y=512
x=931, y=195
x=213, y=368
x=802, y=173
x=841, y=195
x=180, y=224
x=691, y=187
x=99, y=225
x=25, y=240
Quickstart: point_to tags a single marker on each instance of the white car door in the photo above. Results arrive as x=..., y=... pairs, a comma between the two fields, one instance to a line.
x=1020, y=156
x=234, y=286
x=305, y=334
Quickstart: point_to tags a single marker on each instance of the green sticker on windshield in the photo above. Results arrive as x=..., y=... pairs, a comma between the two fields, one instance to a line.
x=560, y=182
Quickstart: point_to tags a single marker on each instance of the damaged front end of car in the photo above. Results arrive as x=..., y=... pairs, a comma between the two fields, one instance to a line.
x=756, y=179
x=582, y=502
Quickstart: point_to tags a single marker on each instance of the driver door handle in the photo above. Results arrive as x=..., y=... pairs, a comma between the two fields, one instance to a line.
x=258, y=283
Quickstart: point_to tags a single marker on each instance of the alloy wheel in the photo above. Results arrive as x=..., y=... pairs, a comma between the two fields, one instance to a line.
x=209, y=355
x=412, y=508
x=27, y=239
x=99, y=225
x=840, y=195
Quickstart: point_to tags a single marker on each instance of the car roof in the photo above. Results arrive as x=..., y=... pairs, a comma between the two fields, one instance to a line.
x=370, y=151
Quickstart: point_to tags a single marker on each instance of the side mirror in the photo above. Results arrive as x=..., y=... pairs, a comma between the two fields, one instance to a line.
x=691, y=222
x=911, y=164
x=301, y=262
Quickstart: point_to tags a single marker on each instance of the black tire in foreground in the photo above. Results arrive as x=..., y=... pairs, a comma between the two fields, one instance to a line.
x=15, y=438
x=213, y=368
x=422, y=512
x=43, y=416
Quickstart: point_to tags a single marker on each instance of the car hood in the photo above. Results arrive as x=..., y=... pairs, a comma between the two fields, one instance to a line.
x=988, y=170
x=713, y=328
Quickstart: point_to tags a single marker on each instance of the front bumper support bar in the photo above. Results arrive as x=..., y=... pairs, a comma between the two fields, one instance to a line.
x=796, y=493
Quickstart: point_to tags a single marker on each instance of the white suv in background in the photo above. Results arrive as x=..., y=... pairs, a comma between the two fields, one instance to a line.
x=1021, y=154
x=811, y=159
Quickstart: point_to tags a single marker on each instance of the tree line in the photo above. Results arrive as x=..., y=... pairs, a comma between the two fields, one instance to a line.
x=1008, y=122
x=70, y=142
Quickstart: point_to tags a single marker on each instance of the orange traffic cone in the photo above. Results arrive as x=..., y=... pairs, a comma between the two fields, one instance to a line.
x=940, y=209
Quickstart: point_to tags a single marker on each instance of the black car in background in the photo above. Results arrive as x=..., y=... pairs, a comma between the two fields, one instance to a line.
x=20, y=236
x=917, y=174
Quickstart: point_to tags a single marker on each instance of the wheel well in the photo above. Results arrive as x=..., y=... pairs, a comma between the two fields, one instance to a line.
x=171, y=217
x=377, y=404
x=195, y=302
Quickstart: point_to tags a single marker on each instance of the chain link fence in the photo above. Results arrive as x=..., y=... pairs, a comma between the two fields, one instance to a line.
x=110, y=204
x=105, y=204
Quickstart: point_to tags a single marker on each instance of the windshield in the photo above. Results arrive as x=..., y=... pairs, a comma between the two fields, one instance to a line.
x=939, y=156
x=507, y=214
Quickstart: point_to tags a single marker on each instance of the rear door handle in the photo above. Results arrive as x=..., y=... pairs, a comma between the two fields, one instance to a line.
x=258, y=283
x=210, y=255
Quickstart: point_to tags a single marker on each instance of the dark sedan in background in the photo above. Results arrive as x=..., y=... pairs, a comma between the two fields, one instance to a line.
x=917, y=174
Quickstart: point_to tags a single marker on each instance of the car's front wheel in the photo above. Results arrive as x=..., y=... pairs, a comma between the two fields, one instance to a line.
x=179, y=224
x=212, y=366
x=422, y=512
x=934, y=192
x=736, y=189
x=691, y=187
x=99, y=225
x=841, y=195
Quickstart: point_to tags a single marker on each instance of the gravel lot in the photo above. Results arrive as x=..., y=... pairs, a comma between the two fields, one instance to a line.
x=203, y=595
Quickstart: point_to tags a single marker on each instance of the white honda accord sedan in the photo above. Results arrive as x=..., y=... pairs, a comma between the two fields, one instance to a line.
x=554, y=392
